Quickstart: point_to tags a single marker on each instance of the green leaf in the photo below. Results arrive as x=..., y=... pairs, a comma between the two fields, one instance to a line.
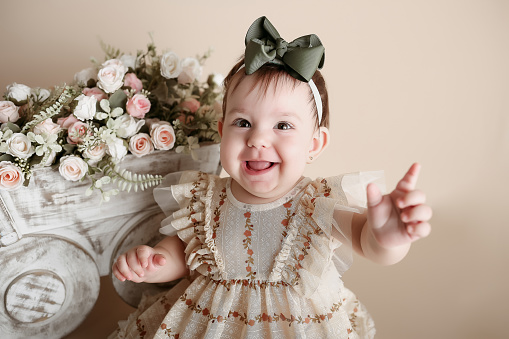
x=118, y=99
x=13, y=127
x=6, y=157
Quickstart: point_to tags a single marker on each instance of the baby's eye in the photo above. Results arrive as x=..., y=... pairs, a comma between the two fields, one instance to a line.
x=283, y=125
x=242, y=123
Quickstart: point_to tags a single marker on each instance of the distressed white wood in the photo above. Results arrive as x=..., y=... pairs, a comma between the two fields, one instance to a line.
x=55, y=242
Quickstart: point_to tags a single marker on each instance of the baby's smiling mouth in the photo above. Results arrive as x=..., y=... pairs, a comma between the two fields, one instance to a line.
x=259, y=165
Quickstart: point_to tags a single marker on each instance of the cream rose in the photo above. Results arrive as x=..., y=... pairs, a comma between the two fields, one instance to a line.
x=162, y=135
x=140, y=145
x=11, y=176
x=95, y=92
x=47, y=126
x=138, y=106
x=82, y=77
x=117, y=149
x=72, y=168
x=170, y=65
x=111, y=75
x=77, y=132
x=191, y=70
x=8, y=112
x=18, y=93
x=86, y=107
x=128, y=126
x=131, y=80
x=96, y=153
x=19, y=146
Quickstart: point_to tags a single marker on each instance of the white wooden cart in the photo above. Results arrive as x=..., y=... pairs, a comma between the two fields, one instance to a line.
x=55, y=243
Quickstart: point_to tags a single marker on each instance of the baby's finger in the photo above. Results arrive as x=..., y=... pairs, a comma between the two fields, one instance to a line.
x=134, y=263
x=123, y=267
x=143, y=254
x=417, y=213
x=418, y=230
x=412, y=198
x=158, y=260
x=117, y=273
x=409, y=180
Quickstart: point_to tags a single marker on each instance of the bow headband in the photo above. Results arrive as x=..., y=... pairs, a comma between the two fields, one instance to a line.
x=300, y=58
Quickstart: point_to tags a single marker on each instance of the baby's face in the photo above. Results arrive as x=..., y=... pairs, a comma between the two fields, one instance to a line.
x=266, y=139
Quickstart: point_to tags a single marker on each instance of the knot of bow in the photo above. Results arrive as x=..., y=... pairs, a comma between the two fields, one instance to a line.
x=301, y=57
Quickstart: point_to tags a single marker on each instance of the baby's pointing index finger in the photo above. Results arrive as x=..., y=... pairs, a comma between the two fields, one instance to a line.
x=409, y=180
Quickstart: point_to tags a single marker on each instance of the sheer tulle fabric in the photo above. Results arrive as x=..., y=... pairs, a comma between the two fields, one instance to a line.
x=258, y=271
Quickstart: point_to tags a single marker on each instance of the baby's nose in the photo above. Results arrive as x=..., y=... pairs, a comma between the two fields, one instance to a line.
x=258, y=139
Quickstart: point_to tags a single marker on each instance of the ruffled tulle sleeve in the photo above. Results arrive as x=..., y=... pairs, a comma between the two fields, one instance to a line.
x=315, y=238
x=186, y=199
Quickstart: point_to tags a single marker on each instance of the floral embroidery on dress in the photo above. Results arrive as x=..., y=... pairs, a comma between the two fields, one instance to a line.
x=169, y=332
x=288, y=217
x=141, y=328
x=247, y=245
x=263, y=317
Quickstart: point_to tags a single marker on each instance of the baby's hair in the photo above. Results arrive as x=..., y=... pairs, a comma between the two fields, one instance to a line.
x=271, y=73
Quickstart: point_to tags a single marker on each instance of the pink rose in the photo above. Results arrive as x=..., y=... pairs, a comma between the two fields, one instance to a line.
x=8, y=112
x=72, y=168
x=162, y=135
x=131, y=80
x=138, y=106
x=11, y=176
x=95, y=92
x=191, y=104
x=77, y=132
x=47, y=126
x=140, y=145
x=67, y=122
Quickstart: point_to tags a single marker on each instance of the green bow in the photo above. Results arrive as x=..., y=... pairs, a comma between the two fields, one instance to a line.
x=301, y=57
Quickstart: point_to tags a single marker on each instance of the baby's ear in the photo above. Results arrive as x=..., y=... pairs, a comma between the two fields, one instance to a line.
x=220, y=127
x=319, y=143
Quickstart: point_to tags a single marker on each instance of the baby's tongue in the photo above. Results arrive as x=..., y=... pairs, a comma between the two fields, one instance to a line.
x=258, y=165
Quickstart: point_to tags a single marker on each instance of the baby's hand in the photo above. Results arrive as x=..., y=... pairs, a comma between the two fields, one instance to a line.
x=138, y=264
x=402, y=216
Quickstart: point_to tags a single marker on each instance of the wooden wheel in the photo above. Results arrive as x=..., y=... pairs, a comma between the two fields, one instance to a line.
x=49, y=286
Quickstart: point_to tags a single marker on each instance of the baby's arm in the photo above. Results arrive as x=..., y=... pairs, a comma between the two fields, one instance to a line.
x=165, y=262
x=392, y=221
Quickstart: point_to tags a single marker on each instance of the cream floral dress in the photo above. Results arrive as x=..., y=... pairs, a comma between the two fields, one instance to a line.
x=257, y=271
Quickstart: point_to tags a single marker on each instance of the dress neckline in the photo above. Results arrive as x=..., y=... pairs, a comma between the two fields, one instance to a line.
x=270, y=205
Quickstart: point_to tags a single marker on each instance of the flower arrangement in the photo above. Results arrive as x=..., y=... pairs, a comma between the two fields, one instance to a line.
x=127, y=104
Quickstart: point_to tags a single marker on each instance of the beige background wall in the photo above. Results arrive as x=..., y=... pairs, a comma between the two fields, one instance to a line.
x=423, y=81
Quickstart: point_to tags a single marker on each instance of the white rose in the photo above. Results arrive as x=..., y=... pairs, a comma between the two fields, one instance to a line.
x=117, y=149
x=111, y=75
x=86, y=107
x=72, y=168
x=96, y=153
x=8, y=112
x=140, y=145
x=191, y=70
x=47, y=126
x=170, y=65
x=39, y=94
x=128, y=60
x=49, y=162
x=162, y=135
x=20, y=146
x=81, y=78
x=18, y=93
x=128, y=126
